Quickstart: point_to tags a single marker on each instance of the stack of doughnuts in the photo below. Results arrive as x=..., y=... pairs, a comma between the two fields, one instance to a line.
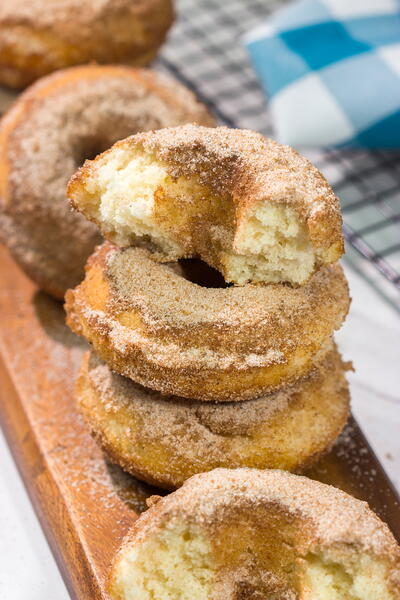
x=211, y=305
x=211, y=309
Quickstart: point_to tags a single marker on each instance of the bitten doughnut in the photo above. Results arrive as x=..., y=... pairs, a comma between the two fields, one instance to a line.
x=248, y=534
x=255, y=210
x=166, y=440
x=37, y=38
x=167, y=333
x=50, y=130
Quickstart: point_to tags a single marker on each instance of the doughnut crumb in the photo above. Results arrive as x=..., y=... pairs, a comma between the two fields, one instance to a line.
x=272, y=246
x=329, y=577
x=246, y=221
x=175, y=565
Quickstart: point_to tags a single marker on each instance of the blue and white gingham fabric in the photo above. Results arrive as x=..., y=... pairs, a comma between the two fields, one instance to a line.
x=331, y=70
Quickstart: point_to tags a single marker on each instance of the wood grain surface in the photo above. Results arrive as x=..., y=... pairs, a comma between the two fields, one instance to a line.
x=86, y=505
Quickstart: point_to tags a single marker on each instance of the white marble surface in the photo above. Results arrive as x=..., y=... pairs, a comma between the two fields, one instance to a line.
x=370, y=338
x=27, y=567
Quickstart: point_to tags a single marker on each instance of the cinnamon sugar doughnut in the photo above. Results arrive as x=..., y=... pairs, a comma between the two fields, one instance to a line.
x=248, y=534
x=248, y=206
x=39, y=37
x=166, y=440
x=47, y=134
x=151, y=324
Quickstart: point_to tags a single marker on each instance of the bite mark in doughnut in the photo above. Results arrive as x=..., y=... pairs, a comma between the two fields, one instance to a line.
x=253, y=209
x=149, y=323
x=248, y=534
x=37, y=38
x=46, y=135
x=166, y=440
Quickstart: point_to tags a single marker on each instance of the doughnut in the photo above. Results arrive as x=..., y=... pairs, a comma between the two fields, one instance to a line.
x=253, y=209
x=38, y=38
x=245, y=534
x=55, y=124
x=165, y=440
x=151, y=324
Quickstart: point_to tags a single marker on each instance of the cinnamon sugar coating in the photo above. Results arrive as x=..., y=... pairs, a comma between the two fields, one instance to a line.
x=209, y=498
x=37, y=38
x=232, y=534
x=165, y=440
x=252, y=208
x=48, y=132
x=151, y=324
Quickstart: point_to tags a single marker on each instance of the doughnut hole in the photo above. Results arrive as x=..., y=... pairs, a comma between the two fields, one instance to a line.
x=87, y=148
x=199, y=272
x=135, y=200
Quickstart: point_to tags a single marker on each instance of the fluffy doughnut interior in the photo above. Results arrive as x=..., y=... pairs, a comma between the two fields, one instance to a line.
x=134, y=199
x=272, y=245
x=329, y=576
x=175, y=564
x=179, y=563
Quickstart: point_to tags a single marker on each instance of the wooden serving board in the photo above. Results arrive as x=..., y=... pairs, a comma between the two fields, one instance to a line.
x=7, y=97
x=85, y=505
